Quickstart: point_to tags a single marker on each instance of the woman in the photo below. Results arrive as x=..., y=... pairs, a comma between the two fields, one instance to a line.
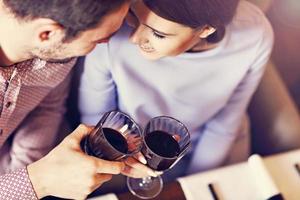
x=196, y=60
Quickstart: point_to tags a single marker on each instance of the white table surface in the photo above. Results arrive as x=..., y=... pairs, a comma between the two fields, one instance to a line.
x=237, y=182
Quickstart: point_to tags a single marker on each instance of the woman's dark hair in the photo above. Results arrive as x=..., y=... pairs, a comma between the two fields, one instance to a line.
x=197, y=13
x=74, y=15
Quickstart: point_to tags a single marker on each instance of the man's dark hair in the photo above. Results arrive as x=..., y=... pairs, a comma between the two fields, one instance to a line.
x=74, y=15
x=197, y=13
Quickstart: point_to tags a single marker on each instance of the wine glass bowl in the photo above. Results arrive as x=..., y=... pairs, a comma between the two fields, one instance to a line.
x=115, y=137
x=165, y=141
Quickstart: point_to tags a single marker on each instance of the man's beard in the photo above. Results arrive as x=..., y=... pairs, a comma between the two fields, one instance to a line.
x=54, y=54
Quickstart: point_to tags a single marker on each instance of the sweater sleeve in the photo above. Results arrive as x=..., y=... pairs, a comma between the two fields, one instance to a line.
x=97, y=90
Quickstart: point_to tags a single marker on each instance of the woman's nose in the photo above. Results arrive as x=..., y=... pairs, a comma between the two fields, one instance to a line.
x=137, y=35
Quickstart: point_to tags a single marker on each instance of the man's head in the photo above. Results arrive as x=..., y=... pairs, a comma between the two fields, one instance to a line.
x=57, y=29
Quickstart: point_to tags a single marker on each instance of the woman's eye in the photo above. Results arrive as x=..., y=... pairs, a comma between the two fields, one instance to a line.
x=158, y=35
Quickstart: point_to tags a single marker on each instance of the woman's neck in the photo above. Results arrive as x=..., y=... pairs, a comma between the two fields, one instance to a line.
x=203, y=45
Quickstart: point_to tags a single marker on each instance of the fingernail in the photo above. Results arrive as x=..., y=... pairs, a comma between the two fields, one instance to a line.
x=151, y=173
x=143, y=160
x=158, y=173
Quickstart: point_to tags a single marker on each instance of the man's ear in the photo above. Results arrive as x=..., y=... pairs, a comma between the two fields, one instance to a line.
x=206, y=31
x=48, y=31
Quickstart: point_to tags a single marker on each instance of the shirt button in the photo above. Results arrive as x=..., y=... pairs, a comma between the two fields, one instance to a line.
x=8, y=104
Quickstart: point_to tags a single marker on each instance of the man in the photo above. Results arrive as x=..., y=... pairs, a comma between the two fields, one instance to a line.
x=38, y=41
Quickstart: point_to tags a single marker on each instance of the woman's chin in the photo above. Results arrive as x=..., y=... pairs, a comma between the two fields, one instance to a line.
x=150, y=55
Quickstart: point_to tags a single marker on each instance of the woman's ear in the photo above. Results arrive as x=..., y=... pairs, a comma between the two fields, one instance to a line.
x=206, y=31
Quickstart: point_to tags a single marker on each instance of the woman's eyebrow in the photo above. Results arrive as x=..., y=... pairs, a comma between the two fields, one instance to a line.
x=162, y=33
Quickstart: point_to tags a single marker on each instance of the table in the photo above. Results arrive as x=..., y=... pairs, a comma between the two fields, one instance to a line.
x=235, y=182
x=170, y=191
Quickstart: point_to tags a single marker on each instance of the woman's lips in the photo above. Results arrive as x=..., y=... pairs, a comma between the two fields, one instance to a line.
x=146, y=49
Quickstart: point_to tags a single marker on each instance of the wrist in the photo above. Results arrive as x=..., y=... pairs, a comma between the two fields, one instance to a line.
x=35, y=173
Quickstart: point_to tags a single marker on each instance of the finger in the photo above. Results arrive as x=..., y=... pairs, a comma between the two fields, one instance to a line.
x=81, y=131
x=158, y=173
x=83, y=198
x=131, y=172
x=101, y=178
x=108, y=167
x=176, y=137
x=137, y=165
x=140, y=157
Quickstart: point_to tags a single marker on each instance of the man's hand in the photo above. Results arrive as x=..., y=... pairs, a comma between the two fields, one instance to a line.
x=67, y=172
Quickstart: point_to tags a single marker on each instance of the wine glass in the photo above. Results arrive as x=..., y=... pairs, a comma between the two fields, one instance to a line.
x=165, y=141
x=115, y=137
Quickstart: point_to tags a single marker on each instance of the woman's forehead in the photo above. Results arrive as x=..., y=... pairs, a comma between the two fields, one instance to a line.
x=149, y=18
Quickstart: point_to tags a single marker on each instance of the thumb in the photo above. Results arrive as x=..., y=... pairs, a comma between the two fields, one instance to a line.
x=81, y=131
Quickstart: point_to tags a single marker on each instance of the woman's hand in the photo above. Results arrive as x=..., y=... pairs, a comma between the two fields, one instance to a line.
x=136, y=167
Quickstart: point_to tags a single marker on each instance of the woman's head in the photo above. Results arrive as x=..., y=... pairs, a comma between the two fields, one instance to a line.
x=171, y=27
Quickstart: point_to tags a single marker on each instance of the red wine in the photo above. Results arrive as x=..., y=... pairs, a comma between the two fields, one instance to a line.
x=111, y=145
x=116, y=139
x=166, y=148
